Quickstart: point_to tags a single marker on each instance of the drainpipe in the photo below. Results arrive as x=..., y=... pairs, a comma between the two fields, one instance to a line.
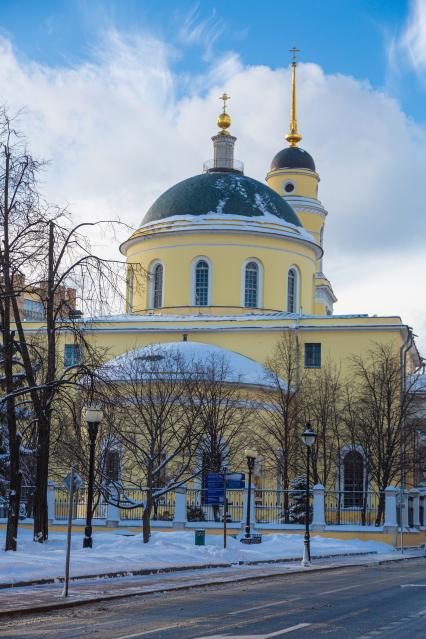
x=403, y=351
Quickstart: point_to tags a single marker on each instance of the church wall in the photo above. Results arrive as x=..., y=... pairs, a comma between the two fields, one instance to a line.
x=227, y=256
x=305, y=182
x=338, y=343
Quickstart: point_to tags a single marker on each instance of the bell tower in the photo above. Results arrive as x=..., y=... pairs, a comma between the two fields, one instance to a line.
x=293, y=175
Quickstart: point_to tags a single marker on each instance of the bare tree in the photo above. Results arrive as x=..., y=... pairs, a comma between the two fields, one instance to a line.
x=381, y=406
x=278, y=416
x=224, y=413
x=157, y=422
x=322, y=407
x=42, y=256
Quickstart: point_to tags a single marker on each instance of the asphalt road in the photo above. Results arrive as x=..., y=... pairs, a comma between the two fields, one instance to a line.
x=386, y=601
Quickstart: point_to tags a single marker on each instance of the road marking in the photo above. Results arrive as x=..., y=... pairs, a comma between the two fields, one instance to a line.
x=277, y=633
x=148, y=632
x=268, y=605
x=413, y=585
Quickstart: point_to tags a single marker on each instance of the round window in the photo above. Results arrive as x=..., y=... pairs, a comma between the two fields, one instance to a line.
x=289, y=187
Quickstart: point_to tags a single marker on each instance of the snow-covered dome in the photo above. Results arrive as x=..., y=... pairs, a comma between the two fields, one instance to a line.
x=237, y=369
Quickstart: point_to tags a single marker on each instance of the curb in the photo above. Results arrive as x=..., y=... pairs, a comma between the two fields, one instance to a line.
x=169, y=569
x=177, y=587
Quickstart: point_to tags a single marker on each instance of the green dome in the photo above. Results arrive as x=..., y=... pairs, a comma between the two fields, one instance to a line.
x=221, y=192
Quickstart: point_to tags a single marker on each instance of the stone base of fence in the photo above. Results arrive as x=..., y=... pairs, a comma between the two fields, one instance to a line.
x=332, y=512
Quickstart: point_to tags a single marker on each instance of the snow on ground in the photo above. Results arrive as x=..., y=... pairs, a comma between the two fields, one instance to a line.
x=125, y=551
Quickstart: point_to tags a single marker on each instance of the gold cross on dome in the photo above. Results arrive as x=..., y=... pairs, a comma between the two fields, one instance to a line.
x=294, y=51
x=225, y=97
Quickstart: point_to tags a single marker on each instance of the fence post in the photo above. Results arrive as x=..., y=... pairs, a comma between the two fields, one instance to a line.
x=391, y=522
x=51, y=502
x=180, y=518
x=415, y=494
x=404, y=516
x=423, y=518
x=318, y=515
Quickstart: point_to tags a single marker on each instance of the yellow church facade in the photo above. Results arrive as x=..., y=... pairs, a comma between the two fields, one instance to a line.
x=224, y=259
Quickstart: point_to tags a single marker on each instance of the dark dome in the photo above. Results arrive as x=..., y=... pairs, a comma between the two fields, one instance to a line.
x=293, y=158
x=221, y=192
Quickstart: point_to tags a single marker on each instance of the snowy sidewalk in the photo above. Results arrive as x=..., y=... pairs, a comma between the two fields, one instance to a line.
x=125, y=553
x=32, y=599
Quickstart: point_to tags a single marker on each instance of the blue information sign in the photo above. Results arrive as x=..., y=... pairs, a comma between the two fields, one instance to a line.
x=214, y=489
x=235, y=481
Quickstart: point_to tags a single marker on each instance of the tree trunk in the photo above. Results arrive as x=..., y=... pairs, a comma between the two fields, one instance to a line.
x=42, y=475
x=14, y=498
x=146, y=518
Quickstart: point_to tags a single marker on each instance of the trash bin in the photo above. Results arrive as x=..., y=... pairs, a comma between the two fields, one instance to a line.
x=200, y=537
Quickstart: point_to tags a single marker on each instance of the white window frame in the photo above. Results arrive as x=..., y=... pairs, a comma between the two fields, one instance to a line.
x=294, y=268
x=195, y=261
x=259, y=283
x=151, y=282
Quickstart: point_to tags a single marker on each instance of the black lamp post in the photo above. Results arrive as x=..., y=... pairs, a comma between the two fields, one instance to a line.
x=308, y=437
x=251, y=458
x=93, y=418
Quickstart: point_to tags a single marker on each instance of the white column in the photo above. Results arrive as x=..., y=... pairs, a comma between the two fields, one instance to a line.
x=391, y=521
x=180, y=517
x=113, y=512
x=423, y=523
x=318, y=516
x=415, y=494
x=50, y=502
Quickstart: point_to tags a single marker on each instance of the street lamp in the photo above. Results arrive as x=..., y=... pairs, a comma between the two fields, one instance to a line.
x=93, y=418
x=309, y=437
x=251, y=455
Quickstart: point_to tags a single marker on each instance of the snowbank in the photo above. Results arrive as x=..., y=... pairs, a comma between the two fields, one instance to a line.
x=123, y=551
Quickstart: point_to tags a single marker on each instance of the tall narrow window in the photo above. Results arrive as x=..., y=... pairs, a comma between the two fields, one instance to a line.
x=292, y=291
x=113, y=465
x=157, y=292
x=251, y=285
x=353, y=479
x=201, y=297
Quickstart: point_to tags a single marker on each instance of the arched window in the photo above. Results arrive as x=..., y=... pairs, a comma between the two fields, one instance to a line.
x=157, y=286
x=201, y=288
x=292, y=291
x=251, y=285
x=113, y=465
x=353, y=479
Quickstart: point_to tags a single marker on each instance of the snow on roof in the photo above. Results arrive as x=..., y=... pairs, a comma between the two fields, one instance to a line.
x=204, y=317
x=236, y=368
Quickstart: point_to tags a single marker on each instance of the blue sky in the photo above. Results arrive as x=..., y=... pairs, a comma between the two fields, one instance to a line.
x=351, y=37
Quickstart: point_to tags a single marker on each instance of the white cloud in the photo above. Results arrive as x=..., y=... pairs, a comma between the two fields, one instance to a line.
x=124, y=127
x=413, y=38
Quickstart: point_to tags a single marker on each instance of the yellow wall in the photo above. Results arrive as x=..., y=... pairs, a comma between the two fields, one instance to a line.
x=227, y=255
x=339, y=338
x=305, y=182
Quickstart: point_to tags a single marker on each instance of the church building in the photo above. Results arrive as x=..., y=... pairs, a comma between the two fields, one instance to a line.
x=226, y=260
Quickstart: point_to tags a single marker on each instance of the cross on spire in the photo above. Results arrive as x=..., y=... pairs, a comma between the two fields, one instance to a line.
x=225, y=97
x=294, y=51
